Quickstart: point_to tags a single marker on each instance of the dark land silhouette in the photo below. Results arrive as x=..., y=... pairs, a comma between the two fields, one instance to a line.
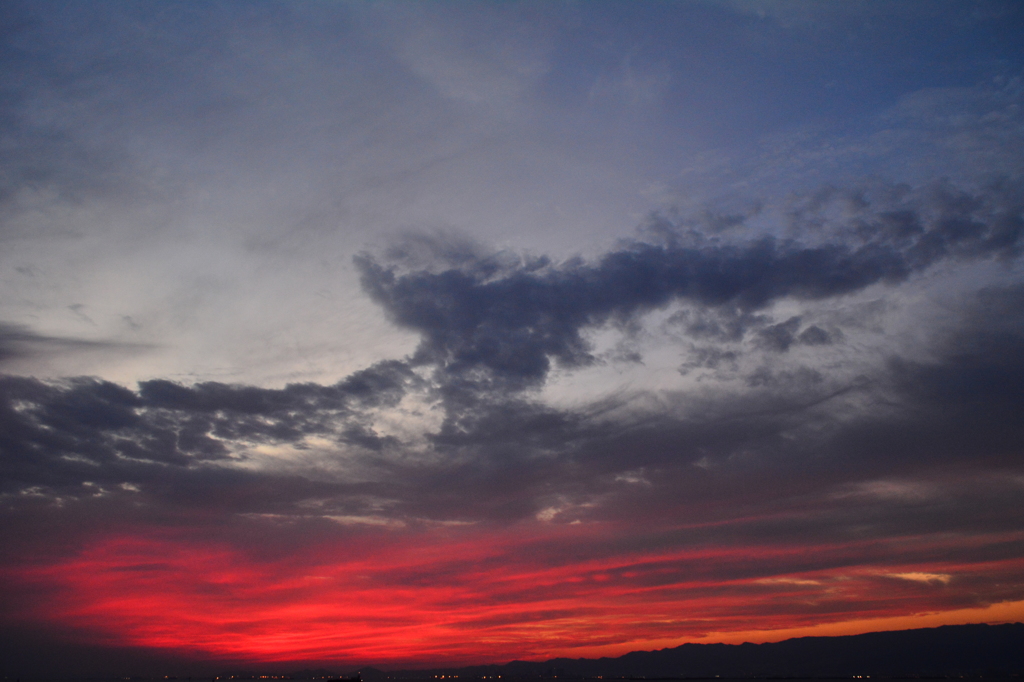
x=947, y=651
x=951, y=651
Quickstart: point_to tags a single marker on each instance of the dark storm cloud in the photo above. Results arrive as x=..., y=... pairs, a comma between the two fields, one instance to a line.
x=382, y=384
x=780, y=337
x=195, y=175
x=790, y=430
x=61, y=434
x=919, y=442
x=510, y=319
x=784, y=477
x=512, y=323
x=966, y=404
x=786, y=441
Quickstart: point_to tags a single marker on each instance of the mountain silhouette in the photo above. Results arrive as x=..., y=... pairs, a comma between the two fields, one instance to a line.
x=950, y=650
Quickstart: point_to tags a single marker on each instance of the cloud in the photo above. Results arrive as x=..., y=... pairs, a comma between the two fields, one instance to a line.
x=762, y=412
x=18, y=341
x=491, y=326
x=779, y=503
x=505, y=458
x=926, y=578
x=61, y=434
x=510, y=318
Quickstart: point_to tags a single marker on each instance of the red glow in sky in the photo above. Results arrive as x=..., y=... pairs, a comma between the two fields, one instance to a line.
x=470, y=596
x=410, y=333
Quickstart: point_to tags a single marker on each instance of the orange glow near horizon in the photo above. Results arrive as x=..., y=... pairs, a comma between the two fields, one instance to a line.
x=468, y=597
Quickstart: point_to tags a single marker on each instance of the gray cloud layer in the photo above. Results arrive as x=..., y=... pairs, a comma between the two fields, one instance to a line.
x=840, y=369
x=512, y=318
x=491, y=326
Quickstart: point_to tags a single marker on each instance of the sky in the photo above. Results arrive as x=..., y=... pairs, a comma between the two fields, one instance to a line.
x=422, y=333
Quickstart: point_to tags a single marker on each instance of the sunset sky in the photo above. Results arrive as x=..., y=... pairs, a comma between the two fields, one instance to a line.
x=422, y=333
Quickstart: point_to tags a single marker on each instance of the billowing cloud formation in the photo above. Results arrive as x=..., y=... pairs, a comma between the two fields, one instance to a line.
x=266, y=377
x=512, y=318
x=87, y=429
x=788, y=481
x=485, y=319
